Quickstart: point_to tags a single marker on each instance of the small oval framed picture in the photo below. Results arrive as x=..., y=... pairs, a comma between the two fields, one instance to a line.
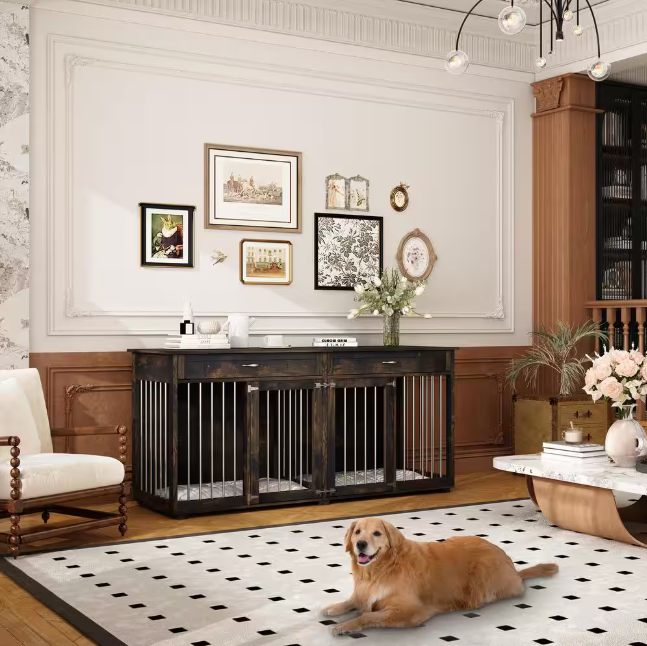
x=400, y=197
x=416, y=256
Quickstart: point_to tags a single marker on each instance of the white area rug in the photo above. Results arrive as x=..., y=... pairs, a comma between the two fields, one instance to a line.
x=266, y=587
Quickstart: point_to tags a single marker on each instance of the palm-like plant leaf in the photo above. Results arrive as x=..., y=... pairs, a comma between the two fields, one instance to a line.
x=555, y=349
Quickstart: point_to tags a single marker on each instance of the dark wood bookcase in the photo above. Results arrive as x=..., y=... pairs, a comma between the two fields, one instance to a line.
x=621, y=192
x=236, y=429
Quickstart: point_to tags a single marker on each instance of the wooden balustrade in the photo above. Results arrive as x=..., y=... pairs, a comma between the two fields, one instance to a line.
x=622, y=321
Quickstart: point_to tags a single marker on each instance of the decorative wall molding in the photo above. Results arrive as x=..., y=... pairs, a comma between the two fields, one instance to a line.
x=429, y=32
x=503, y=307
x=498, y=437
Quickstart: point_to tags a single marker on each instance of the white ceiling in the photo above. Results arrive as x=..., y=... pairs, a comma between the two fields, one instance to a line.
x=492, y=8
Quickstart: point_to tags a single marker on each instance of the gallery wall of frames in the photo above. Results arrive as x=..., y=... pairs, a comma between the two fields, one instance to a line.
x=256, y=174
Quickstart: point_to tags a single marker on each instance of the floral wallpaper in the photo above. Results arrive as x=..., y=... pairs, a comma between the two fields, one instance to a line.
x=14, y=185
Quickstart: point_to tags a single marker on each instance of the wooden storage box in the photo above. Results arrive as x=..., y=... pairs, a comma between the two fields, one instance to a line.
x=542, y=419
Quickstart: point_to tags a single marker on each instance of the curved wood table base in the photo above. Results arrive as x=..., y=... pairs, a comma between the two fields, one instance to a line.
x=531, y=490
x=588, y=510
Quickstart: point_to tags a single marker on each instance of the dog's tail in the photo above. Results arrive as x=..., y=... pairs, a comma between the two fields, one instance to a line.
x=541, y=570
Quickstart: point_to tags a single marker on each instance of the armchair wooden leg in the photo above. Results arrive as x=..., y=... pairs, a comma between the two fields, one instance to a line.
x=123, y=509
x=14, y=538
x=45, y=516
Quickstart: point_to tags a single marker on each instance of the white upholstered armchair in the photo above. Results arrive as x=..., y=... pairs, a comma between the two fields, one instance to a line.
x=34, y=479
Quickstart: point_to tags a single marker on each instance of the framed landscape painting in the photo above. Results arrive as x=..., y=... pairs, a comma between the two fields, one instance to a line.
x=348, y=250
x=166, y=235
x=252, y=188
x=265, y=262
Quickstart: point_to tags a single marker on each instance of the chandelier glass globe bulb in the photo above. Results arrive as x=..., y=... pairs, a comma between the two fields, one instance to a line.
x=512, y=20
x=568, y=15
x=456, y=62
x=540, y=63
x=599, y=70
x=578, y=30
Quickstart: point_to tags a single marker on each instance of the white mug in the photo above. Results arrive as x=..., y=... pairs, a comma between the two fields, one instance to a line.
x=572, y=435
x=273, y=341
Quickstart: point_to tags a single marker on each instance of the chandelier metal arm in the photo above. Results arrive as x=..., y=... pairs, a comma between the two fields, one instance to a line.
x=467, y=15
x=548, y=4
x=595, y=24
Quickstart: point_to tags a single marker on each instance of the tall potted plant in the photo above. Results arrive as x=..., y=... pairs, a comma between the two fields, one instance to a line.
x=542, y=417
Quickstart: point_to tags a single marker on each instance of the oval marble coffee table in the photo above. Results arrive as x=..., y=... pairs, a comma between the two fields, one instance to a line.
x=580, y=498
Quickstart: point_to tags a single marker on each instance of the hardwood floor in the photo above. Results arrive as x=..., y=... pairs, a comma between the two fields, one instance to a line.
x=26, y=622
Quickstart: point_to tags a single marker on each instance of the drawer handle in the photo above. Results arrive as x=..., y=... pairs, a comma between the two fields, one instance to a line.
x=389, y=362
x=250, y=365
x=577, y=414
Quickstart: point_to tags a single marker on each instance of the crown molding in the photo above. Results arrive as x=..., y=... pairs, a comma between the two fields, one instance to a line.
x=379, y=24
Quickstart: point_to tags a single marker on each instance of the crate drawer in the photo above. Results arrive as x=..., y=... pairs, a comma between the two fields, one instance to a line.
x=249, y=366
x=389, y=363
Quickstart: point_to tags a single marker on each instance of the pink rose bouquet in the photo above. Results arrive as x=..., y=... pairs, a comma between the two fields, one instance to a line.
x=619, y=376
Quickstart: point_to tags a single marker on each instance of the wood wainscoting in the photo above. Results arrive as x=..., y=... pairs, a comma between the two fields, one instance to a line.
x=484, y=413
x=94, y=389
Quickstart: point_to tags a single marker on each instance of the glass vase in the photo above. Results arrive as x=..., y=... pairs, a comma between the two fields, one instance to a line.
x=391, y=329
x=626, y=443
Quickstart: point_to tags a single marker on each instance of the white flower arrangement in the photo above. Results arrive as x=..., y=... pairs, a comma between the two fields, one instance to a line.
x=388, y=295
x=619, y=376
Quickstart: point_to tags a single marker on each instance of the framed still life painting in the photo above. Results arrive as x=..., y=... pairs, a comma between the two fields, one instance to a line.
x=166, y=235
x=252, y=188
x=265, y=262
x=348, y=250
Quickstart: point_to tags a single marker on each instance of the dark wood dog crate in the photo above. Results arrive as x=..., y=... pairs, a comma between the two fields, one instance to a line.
x=249, y=428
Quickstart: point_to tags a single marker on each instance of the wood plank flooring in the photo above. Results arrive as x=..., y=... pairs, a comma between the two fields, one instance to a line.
x=24, y=621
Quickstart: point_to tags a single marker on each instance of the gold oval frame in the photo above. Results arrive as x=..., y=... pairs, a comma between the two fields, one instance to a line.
x=416, y=233
x=401, y=187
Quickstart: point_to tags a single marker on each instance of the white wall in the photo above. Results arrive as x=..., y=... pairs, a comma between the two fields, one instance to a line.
x=121, y=110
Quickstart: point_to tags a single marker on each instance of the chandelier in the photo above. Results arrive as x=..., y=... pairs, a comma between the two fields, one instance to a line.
x=512, y=20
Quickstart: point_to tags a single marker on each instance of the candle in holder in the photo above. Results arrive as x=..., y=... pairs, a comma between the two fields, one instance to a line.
x=572, y=435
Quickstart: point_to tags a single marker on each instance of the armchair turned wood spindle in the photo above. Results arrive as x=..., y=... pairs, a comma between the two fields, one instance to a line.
x=41, y=481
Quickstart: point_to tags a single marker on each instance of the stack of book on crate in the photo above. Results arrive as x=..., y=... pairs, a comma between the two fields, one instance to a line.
x=592, y=454
x=335, y=342
x=197, y=342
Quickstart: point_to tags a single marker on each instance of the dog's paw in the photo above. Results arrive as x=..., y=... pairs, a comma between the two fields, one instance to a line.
x=329, y=611
x=340, y=630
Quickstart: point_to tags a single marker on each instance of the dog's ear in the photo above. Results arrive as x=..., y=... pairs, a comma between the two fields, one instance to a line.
x=349, y=534
x=396, y=539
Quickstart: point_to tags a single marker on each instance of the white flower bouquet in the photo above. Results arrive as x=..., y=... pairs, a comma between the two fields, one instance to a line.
x=390, y=296
x=619, y=376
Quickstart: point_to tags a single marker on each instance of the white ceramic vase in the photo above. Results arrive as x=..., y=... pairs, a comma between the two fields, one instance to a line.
x=626, y=442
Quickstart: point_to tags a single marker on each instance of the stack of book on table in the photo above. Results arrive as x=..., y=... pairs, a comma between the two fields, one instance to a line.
x=580, y=453
x=197, y=342
x=334, y=342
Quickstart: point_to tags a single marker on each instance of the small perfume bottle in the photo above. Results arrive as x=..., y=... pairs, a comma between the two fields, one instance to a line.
x=187, y=326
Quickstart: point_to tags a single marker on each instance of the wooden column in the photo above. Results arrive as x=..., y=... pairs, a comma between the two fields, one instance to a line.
x=564, y=158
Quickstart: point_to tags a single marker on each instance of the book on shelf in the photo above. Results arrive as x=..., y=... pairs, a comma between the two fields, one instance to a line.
x=573, y=459
x=584, y=447
x=335, y=339
x=335, y=345
x=577, y=456
x=198, y=337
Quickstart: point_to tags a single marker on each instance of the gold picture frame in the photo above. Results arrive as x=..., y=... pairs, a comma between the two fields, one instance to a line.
x=265, y=262
x=229, y=196
x=416, y=256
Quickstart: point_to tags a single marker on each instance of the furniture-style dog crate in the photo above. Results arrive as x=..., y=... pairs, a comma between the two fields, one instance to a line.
x=255, y=427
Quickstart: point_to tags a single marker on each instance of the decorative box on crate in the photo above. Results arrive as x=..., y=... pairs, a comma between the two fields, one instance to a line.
x=542, y=419
x=241, y=428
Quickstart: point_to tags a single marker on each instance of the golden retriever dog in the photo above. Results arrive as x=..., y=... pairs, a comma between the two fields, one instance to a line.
x=401, y=583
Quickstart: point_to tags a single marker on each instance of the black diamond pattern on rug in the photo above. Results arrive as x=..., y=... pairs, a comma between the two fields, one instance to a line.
x=268, y=587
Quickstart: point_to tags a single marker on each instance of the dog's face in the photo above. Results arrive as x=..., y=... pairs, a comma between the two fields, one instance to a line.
x=370, y=539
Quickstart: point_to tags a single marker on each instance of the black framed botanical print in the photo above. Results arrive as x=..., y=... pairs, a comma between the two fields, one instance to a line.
x=166, y=235
x=348, y=250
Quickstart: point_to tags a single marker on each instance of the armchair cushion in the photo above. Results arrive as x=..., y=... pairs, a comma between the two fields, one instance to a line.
x=16, y=419
x=48, y=474
x=29, y=380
